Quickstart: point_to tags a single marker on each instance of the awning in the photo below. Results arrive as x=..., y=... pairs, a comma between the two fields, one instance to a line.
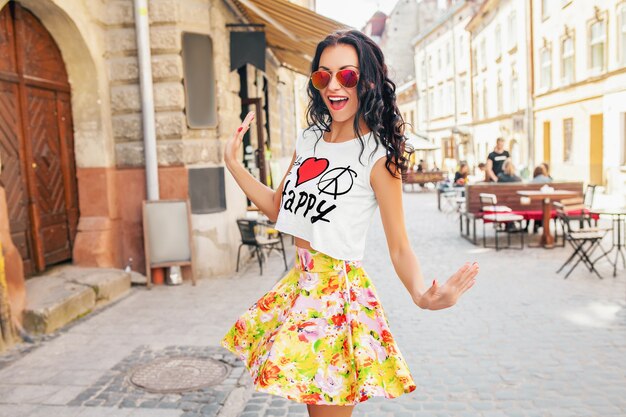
x=292, y=31
x=419, y=142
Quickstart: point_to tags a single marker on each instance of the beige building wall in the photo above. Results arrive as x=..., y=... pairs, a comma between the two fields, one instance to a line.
x=216, y=235
x=98, y=44
x=404, y=23
x=406, y=99
x=580, y=90
x=500, y=80
x=442, y=70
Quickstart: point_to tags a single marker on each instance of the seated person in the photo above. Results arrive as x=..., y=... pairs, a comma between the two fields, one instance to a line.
x=460, y=177
x=481, y=175
x=540, y=175
x=546, y=168
x=508, y=172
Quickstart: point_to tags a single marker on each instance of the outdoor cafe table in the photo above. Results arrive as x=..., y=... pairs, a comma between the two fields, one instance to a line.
x=547, y=240
x=618, y=217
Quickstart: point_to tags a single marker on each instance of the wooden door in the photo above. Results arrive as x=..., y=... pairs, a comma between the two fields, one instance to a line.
x=596, y=154
x=36, y=141
x=547, y=138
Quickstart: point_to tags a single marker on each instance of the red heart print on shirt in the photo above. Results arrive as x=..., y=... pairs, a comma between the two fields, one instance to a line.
x=311, y=168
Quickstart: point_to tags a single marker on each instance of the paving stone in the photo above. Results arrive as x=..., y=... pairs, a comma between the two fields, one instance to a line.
x=276, y=412
x=209, y=409
x=523, y=342
x=252, y=407
x=249, y=414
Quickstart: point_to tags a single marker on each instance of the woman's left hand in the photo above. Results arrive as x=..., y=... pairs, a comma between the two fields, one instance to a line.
x=440, y=297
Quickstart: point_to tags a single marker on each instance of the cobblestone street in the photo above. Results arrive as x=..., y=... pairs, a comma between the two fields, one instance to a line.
x=523, y=342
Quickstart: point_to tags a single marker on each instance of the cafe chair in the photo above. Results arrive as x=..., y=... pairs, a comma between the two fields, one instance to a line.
x=584, y=241
x=249, y=237
x=578, y=210
x=503, y=220
x=582, y=214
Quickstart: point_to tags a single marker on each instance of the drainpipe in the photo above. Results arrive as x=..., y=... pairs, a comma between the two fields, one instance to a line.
x=147, y=100
x=454, y=74
x=530, y=102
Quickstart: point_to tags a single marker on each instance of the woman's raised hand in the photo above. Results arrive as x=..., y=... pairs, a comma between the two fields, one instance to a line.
x=231, y=151
x=439, y=297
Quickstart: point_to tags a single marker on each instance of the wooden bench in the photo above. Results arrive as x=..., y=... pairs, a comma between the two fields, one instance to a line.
x=507, y=196
x=421, y=178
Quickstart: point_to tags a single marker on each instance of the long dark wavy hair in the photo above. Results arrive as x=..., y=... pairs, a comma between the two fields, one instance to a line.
x=377, y=99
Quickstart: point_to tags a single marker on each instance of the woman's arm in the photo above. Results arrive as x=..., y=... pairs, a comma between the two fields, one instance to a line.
x=489, y=170
x=266, y=199
x=388, y=190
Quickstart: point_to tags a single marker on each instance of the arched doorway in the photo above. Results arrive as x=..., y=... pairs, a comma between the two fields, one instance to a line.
x=36, y=141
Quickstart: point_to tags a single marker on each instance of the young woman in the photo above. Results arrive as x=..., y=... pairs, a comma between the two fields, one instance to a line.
x=460, y=177
x=508, y=173
x=320, y=335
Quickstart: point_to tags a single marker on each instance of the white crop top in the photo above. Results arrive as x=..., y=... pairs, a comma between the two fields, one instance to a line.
x=327, y=198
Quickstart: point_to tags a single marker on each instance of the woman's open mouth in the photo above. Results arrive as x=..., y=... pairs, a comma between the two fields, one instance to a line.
x=338, y=102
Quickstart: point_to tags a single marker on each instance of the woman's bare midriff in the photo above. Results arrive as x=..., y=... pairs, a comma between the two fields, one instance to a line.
x=301, y=243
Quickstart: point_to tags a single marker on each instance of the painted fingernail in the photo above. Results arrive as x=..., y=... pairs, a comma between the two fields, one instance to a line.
x=434, y=281
x=240, y=128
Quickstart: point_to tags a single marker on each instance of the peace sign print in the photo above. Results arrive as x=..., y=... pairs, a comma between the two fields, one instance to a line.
x=337, y=181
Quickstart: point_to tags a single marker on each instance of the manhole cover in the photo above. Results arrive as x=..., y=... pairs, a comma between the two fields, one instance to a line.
x=170, y=375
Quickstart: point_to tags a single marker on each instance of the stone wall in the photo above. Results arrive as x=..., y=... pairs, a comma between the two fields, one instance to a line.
x=98, y=44
x=215, y=235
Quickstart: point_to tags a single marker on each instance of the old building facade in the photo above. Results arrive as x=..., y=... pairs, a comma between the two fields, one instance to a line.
x=501, y=79
x=442, y=71
x=580, y=90
x=73, y=150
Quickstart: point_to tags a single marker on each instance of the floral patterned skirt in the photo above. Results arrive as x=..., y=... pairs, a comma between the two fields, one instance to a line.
x=320, y=336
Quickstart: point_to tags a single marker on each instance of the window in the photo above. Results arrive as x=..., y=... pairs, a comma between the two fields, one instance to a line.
x=485, y=108
x=199, y=78
x=513, y=96
x=483, y=53
x=461, y=48
x=597, y=40
x=568, y=125
x=623, y=139
x=207, y=191
x=449, y=98
x=448, y=53
x=567, y=60
x=424, y=77
x=431, y=103
x=545, y=12
x=474, y=61
x=476, y=104
x=622, y=34
x=500, y=94
x=498, y=40
x=440, y=102
x=512, y=30
x=430, y=64
x=463, y=96
x=448, y=148
x=439, y=59
x=546, y=69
